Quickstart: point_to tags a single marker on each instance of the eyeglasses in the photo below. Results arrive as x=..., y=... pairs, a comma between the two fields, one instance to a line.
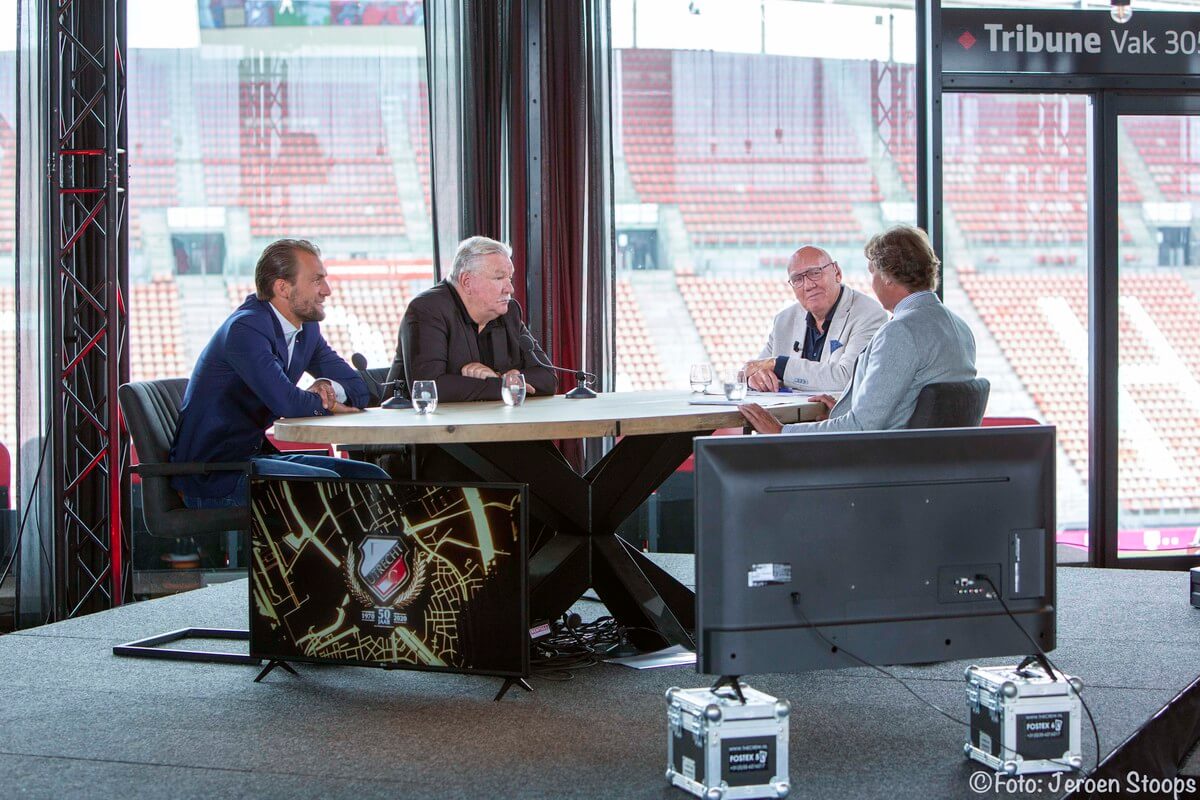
x=812, y=275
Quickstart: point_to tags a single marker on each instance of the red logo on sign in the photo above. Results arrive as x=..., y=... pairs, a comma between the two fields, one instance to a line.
x=967, y=40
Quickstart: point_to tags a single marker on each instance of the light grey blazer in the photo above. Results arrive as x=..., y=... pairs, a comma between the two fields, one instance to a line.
x=854, y=323
x=923, y=343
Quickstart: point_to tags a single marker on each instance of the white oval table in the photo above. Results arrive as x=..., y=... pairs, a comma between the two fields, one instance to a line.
x=498, y=443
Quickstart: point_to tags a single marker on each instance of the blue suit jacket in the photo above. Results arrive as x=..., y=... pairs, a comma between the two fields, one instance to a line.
x=242, y=384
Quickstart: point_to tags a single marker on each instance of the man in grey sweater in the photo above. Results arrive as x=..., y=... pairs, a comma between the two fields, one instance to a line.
x=923, y=343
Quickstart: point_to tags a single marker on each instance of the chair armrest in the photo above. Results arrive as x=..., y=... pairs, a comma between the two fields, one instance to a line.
x=174, y=468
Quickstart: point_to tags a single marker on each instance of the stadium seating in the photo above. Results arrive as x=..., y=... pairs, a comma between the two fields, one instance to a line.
x=1028, y=315
x=8, y=153
x=1015, y=169
x=153, y=169
x=325, y=172
x=418, y=131
x=153, y=149
x=156, y=338
x=638, y=364
x=1168, y=147
x=743, y=167
x=733, y=314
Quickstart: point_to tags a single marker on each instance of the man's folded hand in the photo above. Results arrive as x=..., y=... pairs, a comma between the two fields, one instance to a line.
x=324, y=390
x=758, y=365
x=478, y=370
x=764, y=380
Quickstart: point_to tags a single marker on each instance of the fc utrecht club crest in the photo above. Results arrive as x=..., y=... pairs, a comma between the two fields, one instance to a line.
x=385, y=568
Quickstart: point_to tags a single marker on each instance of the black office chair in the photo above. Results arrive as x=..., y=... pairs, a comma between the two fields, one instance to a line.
x=951, y=405
x=151, y=410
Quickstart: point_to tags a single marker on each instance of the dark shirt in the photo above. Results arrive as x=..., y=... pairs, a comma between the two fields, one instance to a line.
x=438, y=338
x=814, y=338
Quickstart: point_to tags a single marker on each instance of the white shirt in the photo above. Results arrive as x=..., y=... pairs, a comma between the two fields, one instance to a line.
x=290, y=332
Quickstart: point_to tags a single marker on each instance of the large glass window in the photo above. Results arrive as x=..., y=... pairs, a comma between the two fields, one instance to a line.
x=261, y=121
x=1159, y=370
x=744, y=130
x=8, y=307
x=1015, y=212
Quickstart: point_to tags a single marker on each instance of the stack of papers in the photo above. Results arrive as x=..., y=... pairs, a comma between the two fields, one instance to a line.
x=765, y=399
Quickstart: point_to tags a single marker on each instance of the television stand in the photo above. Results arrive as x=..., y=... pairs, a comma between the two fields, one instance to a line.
x=732, y=682
x=272, y=664
x=509, y=683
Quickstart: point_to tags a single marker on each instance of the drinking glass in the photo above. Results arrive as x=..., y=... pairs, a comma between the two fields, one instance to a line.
x=424, y=397
x=700, y=377
x=512, y=389
x=734, y=383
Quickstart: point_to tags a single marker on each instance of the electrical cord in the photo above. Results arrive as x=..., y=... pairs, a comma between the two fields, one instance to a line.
x=865, y=663
x=37, y=478
x=1038, y=649
x=574, y=644
x=947, y=715
x=799, y=609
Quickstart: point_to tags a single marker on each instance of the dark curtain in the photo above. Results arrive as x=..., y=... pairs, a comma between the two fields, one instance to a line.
x=485, y=59
x=522, y=152
x=470, y=55
x=444, y=81
x=577, y=244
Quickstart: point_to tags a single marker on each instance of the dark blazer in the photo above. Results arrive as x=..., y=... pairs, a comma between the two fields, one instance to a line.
x=240, y=386
x=438, y=337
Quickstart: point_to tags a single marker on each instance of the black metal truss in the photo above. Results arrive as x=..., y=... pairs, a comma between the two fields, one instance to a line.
x=87, y=175
x=892, y=107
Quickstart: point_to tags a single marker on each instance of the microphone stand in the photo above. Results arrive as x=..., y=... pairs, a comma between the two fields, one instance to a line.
x=395, y=401
x=581, y=391
x=359, y=361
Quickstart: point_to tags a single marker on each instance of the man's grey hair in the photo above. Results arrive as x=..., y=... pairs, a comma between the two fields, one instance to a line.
x=471, y=253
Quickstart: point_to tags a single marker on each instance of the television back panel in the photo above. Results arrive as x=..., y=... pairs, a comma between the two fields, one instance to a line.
x=390, y=574
x=878, y=540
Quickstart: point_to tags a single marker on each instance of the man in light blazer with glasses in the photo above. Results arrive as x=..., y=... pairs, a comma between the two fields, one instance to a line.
x=924, y=342
x=813, y=343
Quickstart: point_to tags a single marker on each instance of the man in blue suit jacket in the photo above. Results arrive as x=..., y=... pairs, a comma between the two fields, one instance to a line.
x=246, y=378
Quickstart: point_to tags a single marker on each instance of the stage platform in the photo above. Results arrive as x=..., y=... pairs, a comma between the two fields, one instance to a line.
x=76, y=721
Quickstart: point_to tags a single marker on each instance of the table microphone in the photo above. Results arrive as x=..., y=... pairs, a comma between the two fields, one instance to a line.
x=582, y=378
x=360, y=364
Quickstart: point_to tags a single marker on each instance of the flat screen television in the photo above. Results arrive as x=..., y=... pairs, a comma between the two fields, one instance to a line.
x=390, y=574
x=878, y=541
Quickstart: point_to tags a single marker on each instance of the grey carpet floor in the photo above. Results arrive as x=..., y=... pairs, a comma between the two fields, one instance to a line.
x=75, y=721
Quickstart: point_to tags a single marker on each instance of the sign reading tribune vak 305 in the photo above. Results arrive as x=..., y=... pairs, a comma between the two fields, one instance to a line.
x=1070, y=42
